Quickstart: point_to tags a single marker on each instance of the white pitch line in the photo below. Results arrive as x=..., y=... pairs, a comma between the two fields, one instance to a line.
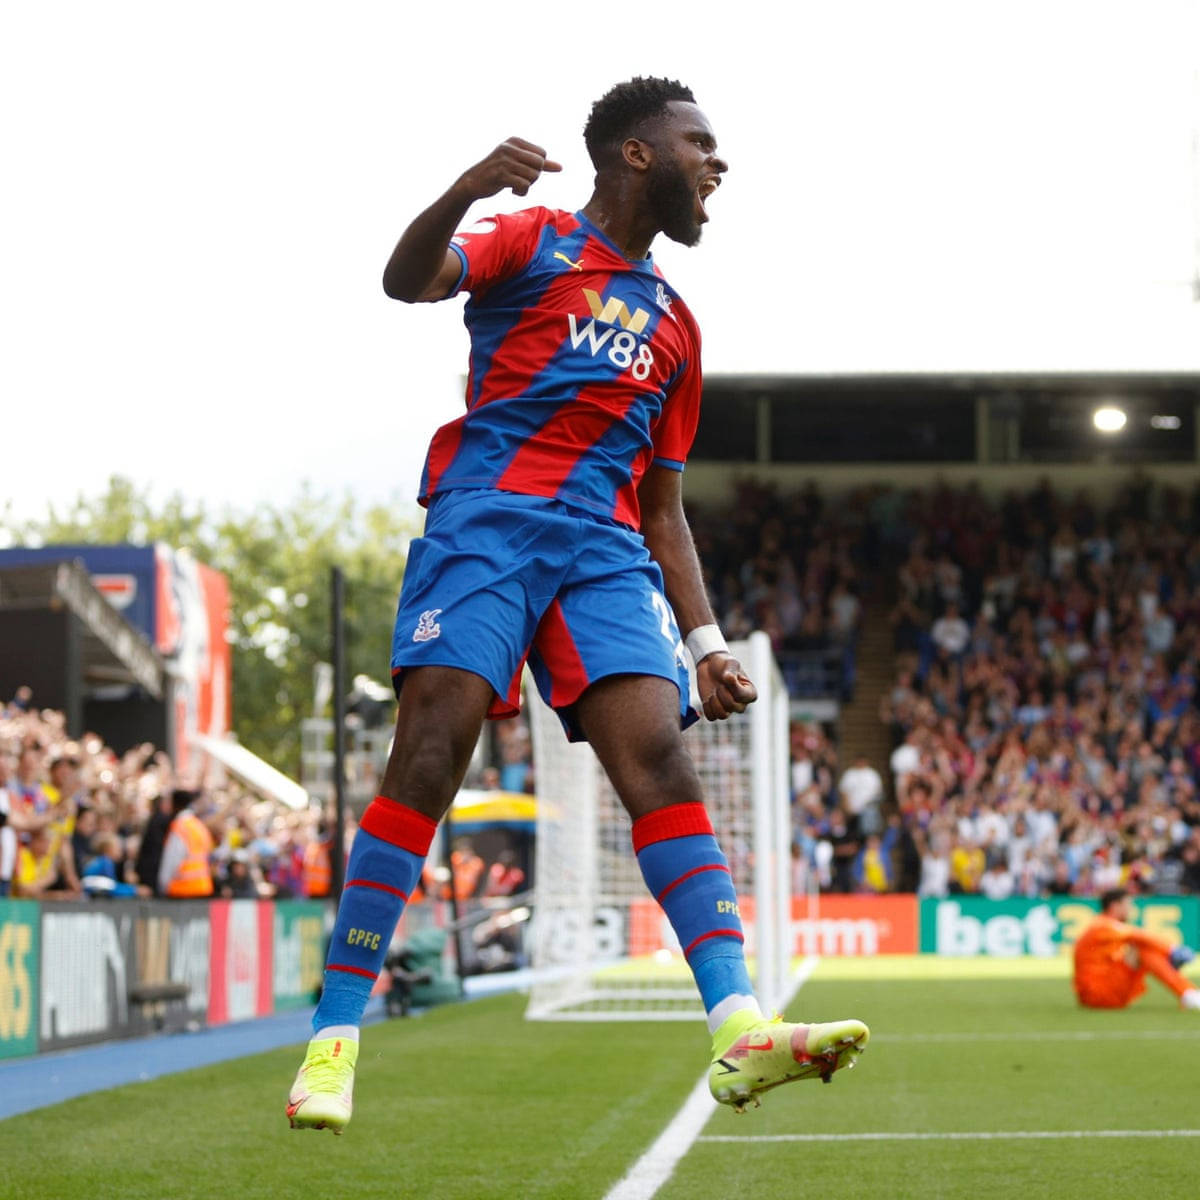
x=1014, y=1135
x=1045, y=1035
x=656, y=1166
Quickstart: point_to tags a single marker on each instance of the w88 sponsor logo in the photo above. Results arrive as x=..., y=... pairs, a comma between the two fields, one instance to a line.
x=623, y=348
x=617, y=335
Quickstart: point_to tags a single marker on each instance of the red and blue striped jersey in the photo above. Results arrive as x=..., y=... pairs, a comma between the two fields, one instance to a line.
x=585, y=367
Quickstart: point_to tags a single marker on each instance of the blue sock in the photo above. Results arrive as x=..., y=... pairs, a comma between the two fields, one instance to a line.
x=385, y=864
x=686, y=872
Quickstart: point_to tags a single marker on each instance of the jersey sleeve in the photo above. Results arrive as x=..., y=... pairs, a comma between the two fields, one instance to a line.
x=676, y=428
x=494, y=248
x=1147, y=941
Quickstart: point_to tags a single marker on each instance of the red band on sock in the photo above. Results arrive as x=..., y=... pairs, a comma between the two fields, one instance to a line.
x=674, y=821
x=351, y=970
x=686, y=875
x=399, y=825
x=379, y=887
x=729, y=933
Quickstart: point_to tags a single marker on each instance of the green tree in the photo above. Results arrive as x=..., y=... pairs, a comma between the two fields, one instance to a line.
x=278, y=561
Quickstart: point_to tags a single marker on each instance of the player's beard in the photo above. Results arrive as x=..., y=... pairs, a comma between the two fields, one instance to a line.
x=673, y=202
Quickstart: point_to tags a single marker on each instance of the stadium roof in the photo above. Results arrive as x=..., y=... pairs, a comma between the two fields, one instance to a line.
x=112, y=651
x=256, y=773
x=970, y=381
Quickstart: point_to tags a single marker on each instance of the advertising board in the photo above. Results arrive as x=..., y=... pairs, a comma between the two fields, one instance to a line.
x=965, y=926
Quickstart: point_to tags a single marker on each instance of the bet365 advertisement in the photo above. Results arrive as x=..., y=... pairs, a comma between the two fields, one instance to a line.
x=966, y=926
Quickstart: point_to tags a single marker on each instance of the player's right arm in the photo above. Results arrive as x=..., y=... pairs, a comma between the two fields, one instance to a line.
x=422, y=266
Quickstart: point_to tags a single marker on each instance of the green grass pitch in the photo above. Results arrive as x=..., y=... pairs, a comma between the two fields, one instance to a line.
x=471, y=1102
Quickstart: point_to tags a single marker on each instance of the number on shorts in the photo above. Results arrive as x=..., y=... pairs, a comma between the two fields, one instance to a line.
x=658, y=602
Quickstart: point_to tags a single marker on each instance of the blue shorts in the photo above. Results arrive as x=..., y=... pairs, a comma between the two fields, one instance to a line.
x=499, y=578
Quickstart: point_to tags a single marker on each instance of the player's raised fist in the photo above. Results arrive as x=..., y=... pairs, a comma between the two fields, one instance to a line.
x=514, y=164
x=724, y=687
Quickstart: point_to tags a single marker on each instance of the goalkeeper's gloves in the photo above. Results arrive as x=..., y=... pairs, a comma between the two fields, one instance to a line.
x=1181, y=955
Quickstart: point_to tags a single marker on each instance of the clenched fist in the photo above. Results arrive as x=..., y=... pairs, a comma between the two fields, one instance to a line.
x=724, y=688
x=515, y=164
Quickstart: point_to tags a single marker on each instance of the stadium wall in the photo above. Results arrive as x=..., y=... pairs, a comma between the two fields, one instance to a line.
x=77, y=973
x=958, y=926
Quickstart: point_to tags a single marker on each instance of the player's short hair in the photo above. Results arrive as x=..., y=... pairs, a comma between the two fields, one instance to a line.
x=1111, y=897
x=623, y=109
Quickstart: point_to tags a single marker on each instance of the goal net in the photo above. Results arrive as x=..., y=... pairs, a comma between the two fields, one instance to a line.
x=602, y=947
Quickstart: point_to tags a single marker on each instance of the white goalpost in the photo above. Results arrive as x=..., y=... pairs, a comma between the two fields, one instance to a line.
x=602, y=948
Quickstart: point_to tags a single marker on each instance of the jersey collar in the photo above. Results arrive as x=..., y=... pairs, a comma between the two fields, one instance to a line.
x=638, y=264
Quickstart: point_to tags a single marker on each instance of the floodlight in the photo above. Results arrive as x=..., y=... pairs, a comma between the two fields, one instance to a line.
x=1109, y=419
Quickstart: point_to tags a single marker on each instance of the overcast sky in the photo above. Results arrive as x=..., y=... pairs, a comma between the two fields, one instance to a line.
x=199, y=201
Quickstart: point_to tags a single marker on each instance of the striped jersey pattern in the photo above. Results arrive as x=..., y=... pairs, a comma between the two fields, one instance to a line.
x=585, y=367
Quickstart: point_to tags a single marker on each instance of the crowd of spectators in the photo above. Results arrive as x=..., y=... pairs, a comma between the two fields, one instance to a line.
x=1044, y=707
x=505, y=761
x=78, y=820
x=792, y=566
x=1043, y=711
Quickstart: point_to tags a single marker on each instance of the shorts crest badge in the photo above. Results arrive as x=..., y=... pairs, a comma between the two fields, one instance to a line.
x=427, y=626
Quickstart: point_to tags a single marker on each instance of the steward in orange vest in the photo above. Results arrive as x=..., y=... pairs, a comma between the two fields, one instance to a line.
x=318, y=874
x=185, y=872
x=466, y=868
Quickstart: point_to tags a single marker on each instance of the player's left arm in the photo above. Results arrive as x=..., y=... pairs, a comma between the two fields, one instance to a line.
x=723, y=685
x=1142, y=940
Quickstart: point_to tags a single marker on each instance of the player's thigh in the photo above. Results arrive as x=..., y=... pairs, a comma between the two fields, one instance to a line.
x=609, y=618
x=632, y=722
x=476, y=585
x=438, y=718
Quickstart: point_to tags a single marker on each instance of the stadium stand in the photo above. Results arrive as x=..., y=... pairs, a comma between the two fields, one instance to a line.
x=1040, y=708
x=89, y=823
x=82, y=822
x=794, y=567
x=1043, y=709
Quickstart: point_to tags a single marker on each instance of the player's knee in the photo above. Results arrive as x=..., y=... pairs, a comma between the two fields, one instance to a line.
x=431, y=753
x=424, y=773
x=660, y=770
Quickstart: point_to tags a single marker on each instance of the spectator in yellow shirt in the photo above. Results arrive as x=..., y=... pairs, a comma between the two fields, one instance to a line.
x=37, y=867
x=967, y=864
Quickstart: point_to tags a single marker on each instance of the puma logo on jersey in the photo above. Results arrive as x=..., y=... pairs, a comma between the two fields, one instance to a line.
x=575, y=266
x=427, y=626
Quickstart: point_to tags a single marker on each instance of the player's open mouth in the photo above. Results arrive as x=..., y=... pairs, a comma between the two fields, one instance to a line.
x=706, y=189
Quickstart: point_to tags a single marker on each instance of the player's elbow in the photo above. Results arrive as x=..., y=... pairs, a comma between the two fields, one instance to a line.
x=661, y=521
x=399, y=289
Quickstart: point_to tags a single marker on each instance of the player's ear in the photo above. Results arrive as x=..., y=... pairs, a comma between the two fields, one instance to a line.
x=637, y=154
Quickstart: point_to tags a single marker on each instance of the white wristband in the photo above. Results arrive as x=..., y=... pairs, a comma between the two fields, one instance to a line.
x=705, y=640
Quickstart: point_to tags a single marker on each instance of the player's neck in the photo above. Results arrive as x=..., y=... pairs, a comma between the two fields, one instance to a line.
x=619, y=217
